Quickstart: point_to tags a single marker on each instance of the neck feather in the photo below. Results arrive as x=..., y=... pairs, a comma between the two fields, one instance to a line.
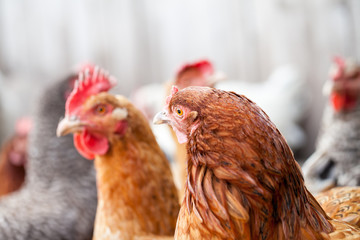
x=135, y=189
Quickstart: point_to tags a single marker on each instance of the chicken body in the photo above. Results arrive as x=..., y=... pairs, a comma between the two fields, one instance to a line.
x=336, y=161
x=136, y=192
x=58, y=199
x=243, y=181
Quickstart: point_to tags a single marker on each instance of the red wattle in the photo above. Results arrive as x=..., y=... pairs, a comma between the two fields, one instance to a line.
x=350, y=102
x=80, y=147
x=338, y=101
x=90, y=145
x=343, y=102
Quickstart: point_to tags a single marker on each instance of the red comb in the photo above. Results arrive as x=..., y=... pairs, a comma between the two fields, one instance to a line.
x=204, y=66
x=92, y=80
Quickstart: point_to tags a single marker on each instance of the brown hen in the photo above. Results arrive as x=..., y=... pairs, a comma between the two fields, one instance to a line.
x=243, y=181
x=136, y=192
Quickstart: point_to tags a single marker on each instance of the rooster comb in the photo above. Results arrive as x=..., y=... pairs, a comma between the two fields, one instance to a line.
x=204, y=66
x=91, y=80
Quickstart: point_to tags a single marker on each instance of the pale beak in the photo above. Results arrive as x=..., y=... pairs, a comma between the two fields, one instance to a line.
x=161, y=118
x=67, y=126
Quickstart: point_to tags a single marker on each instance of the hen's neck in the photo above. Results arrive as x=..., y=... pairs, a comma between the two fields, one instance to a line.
x=118, y=180
x=134, y=191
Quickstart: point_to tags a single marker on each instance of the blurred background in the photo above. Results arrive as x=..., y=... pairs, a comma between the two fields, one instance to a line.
x=142, y=42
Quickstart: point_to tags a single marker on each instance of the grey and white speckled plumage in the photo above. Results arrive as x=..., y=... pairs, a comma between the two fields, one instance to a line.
x=58, y=200
x=336, y=161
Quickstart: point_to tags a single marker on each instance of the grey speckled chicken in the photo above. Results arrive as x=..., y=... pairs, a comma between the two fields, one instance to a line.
x=58, y=200
x=336, y=161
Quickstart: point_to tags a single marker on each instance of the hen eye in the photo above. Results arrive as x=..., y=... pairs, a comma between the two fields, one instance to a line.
x=100, y=109
x=179, y=112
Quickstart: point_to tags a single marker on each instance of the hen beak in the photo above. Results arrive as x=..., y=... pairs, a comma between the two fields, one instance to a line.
x=161, y=118
x=67, y=126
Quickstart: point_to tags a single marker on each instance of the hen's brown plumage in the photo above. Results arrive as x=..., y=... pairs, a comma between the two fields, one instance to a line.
x=342, y=203
x=137, y=195
x=243, y=181
x=136, y=192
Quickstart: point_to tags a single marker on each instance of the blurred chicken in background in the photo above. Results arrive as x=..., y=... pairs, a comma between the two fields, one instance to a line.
x=58, y=199
x=336, y=161
x=13, y=158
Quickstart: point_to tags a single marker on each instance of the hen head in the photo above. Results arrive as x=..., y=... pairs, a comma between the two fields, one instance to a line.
x=180, y=115
x=345, y=84
x=93, y=115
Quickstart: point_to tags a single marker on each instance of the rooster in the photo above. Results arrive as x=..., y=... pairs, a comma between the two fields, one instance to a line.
x=243, y=181
x=58, y=198
x=336, y=161
x=136, y=192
